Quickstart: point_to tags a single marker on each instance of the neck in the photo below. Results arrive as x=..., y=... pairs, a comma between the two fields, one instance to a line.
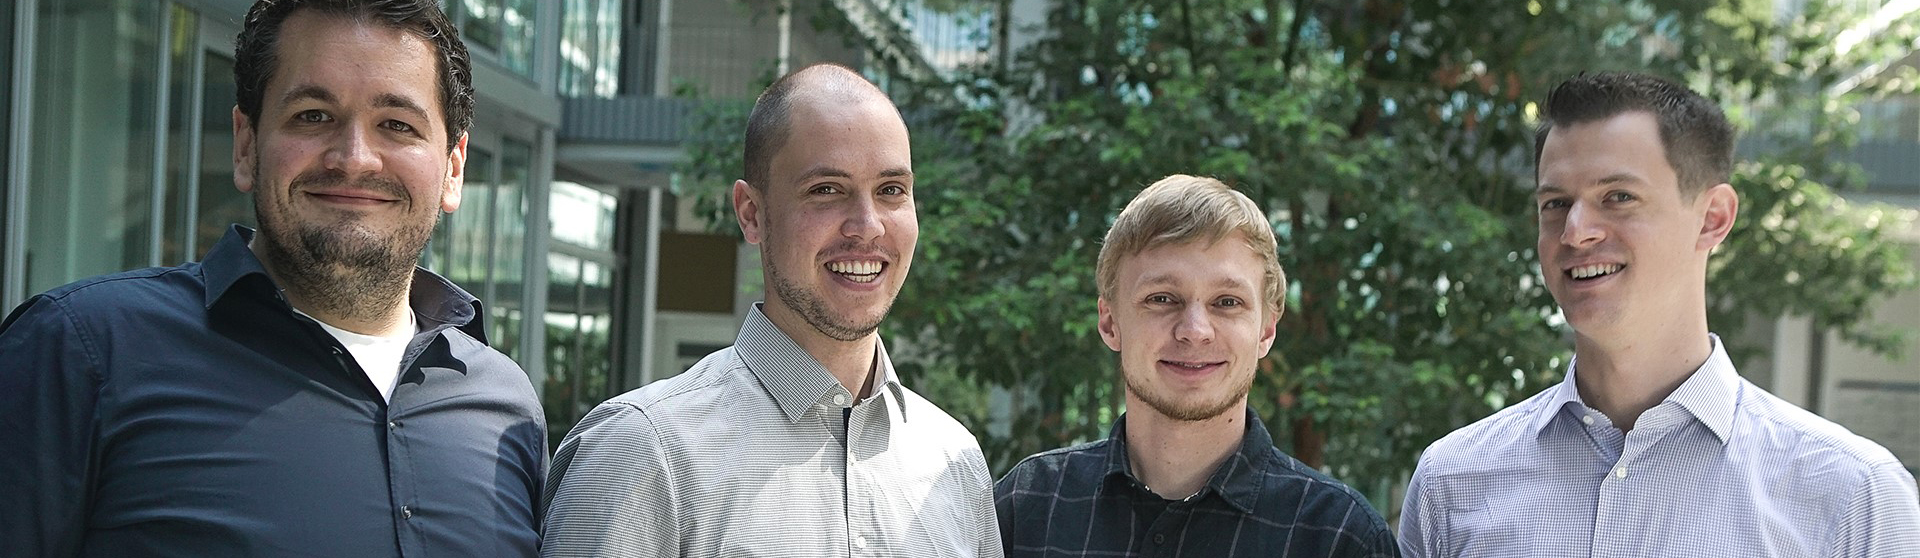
x=850, y=362
x=366, y=314
x=1624, y=377
x=1175, y=457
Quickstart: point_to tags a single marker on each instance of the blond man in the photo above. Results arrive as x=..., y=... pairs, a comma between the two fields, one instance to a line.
x=1190, y=296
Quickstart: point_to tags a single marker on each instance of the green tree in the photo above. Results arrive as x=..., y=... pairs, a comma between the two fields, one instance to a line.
x=1392, y=142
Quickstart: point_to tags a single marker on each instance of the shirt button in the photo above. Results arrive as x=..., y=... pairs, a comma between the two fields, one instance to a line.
x=406, y=512
x=1159, y=538
x=391, y=425
x=1620, y=472
x=840, y=399
x=1587, y=419
x=860, y=542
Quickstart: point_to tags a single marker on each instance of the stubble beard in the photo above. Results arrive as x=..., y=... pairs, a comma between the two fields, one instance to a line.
x=814, y=310
x=341, y=268
x=1185, y=411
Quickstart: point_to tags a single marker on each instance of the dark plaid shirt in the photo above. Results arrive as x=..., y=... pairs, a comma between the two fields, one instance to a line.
x=1085, y=501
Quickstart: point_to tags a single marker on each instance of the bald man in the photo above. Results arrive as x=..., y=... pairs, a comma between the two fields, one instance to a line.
x=799, y=439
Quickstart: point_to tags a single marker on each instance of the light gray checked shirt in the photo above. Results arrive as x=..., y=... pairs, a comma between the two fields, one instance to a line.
x=749, y=454
x=1720, y=468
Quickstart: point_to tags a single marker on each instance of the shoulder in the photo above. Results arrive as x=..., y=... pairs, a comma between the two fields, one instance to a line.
x=1505, y=432
x=928, y=419
x=1320, y=495
x=1050, y=470
x=135, y=292
x=716, y=379
x=1292, y=475
x=695, y=398
x=1782, y=432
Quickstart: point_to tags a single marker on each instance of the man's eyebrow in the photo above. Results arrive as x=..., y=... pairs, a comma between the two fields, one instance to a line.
x=820, y=171
x=1615, y=178
x=389, y=100
x=825, y=171
x=314, y=92
x=1225, y=283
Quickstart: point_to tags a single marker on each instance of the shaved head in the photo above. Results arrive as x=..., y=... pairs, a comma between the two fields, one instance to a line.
x=770, y=123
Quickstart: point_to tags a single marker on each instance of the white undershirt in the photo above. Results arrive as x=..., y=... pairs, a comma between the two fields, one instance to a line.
x=378, y=356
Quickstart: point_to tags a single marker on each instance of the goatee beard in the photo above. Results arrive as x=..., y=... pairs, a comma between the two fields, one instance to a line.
x=341, y=268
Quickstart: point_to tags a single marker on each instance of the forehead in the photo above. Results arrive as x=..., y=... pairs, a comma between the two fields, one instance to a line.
x=1227, y=262
x=1625, y=145
x=841, y=131
x=354, y=60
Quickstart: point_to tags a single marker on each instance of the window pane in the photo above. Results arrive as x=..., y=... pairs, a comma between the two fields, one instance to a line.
x=461, y=239
x=582, y=216
x=509, y=245
x=219, y=203
x=92, y=161
x=504, y=27
x=182, y=51
x=590, y=48
x=561, y=391
x=516, y=35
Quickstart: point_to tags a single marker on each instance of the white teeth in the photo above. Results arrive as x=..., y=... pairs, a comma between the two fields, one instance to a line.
x=1595, y=270
x=857, y=271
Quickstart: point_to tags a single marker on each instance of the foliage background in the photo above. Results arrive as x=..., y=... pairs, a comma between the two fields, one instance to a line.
x=1391, y=141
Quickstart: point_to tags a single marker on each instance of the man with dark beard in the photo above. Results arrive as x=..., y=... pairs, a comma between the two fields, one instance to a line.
x=304, y=390
x=799, y=440
x=1191, y=293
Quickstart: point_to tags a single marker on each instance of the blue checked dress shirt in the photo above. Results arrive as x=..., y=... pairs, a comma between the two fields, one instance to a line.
x=1720, y=468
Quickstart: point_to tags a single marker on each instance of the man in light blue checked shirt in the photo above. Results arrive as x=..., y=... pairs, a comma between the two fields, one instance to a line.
x=1653, y=445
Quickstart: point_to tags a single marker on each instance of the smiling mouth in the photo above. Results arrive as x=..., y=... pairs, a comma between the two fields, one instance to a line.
x=349, y=198
x=861, y=271
x=1595, y=271
x=1190, y=366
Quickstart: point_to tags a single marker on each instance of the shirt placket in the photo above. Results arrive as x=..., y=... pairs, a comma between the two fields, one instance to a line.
x=860, y=499
x=1619, y=518
x=1163, y=538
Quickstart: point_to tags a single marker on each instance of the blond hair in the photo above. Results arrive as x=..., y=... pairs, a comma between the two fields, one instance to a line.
x=1180, y=209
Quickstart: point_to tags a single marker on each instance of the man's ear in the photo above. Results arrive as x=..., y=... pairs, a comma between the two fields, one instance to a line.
x=747, y=207
x=456, y=176
x=243, y=151
x=1108, y=331
x=1721, y=205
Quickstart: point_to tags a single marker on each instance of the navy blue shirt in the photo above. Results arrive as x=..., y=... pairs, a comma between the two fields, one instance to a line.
x=1085, y=501
x=188, y=411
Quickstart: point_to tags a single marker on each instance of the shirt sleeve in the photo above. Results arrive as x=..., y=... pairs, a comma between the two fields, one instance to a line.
x=987, y=524
x=1882, y=518
x=611, y=490
x=49, y=382
x=1415, y=513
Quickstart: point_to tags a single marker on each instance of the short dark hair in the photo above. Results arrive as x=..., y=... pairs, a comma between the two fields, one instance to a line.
x=769, y=123
x=256, y=50
x=1694, y=133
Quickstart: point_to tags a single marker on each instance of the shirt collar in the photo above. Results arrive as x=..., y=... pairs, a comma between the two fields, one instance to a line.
x=434, y=300
x=793, y=377
x=1237, y=480
x=1709, y=394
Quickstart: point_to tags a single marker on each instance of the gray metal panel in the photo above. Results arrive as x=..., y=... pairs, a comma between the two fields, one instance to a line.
x=1893, y=166
x=625, y=119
